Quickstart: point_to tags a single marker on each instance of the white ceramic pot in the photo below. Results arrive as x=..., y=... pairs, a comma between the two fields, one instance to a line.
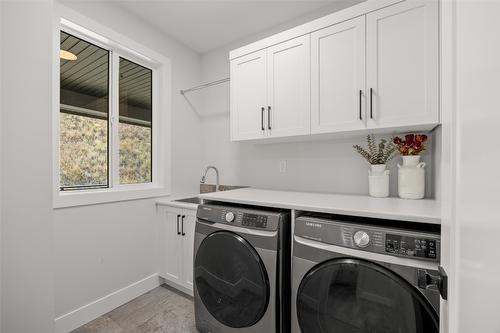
x=411, y=178
x=378, y=181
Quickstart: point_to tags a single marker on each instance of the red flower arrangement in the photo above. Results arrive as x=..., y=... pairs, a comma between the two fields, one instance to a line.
x=413, y=144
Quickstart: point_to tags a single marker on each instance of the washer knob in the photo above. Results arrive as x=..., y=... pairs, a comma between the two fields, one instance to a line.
x=361, y=239
x=229, y=216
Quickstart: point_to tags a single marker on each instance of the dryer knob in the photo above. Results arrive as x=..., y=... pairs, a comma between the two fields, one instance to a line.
x=361, y=239
x=230, y=217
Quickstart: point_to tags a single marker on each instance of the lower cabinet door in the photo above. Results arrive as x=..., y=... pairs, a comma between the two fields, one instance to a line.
x=173, y=241
x=188, y=247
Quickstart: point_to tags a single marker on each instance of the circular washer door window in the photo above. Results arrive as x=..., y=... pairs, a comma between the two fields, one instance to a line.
x=358, y=296
x=231, y=279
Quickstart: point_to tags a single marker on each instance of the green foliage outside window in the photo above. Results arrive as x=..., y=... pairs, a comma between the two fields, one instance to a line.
x=83, y=152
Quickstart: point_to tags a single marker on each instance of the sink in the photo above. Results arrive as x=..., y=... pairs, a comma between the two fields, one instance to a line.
x=193, y=200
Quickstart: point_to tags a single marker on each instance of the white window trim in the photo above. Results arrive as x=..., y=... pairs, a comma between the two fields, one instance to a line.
x=85, y=28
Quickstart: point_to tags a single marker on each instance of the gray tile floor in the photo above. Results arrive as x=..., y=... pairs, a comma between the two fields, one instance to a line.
x=162, y=310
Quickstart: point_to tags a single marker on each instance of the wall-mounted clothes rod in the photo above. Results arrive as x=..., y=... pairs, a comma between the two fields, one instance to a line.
x=203, y=86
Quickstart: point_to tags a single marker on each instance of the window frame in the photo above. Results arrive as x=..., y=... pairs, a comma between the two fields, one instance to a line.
x=119, y=46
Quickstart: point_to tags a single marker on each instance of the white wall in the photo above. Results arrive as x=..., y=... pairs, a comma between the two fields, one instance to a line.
x=1, y=112
x=102, y=248
x=27, y=217
x=477, y=165
x=318, y=166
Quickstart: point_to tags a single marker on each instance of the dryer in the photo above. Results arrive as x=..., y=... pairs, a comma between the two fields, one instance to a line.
x=241, y=269
x=360, y=275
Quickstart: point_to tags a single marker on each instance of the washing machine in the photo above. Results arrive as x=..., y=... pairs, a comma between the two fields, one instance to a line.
x=361, y=275
x=241, y=269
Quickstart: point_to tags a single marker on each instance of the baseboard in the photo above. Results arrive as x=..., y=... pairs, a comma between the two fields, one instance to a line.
x=89, y=312
x=187, y=291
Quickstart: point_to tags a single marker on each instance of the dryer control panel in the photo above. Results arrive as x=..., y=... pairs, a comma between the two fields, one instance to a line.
x=254, y=220
x=240, y=217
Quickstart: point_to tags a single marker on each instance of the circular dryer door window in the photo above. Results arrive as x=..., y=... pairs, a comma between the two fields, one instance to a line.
x=358, y=296
x=231, y=279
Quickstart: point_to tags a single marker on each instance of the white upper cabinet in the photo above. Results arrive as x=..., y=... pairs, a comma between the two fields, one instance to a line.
x=371, y=67
x=288, y=108
x=249, y=96
x=270, y=92
x=402, y=65
x=338, y=99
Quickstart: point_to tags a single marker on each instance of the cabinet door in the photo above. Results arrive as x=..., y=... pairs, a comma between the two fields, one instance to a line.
x=248, y=96
x=188, y=247
x=338, y=99
x=289, y=102
x=173, y=242
x=402, y=65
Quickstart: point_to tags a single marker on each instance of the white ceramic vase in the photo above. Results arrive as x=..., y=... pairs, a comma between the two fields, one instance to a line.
x=411, y=178
x=378, y=181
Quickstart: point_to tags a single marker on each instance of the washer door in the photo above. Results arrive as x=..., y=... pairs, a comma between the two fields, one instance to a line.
x=358, y=296
x=231, y=279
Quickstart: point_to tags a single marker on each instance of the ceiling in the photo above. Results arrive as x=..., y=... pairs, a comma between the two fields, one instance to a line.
x=207, y=25
x=84, y=81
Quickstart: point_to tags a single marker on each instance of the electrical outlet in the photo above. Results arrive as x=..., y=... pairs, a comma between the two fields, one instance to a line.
x=283, y=166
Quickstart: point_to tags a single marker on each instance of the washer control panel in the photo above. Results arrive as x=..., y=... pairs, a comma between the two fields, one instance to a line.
x=411, y=246
x=399, y=242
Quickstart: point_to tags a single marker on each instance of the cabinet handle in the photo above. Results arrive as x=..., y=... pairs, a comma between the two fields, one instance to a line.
x=269, y=117
x=182, y=225
x=262, y=119
x=178, y=232
x=360, y=101
x=371, y=103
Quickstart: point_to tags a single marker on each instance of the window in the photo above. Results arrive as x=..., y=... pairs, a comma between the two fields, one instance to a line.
x=135, y=122
x=84, y=118
x=109, y=138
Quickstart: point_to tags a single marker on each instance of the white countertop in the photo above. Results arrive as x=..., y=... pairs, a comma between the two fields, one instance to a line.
x=424, y=211
x=170, y=201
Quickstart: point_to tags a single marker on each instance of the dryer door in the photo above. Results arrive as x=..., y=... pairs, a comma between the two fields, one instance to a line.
x=231, y=279
x=358, y=296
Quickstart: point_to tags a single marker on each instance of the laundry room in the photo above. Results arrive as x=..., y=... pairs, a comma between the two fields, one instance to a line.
x=220, y=166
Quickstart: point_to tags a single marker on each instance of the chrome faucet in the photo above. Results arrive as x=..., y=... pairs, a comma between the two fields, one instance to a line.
x=204, y=177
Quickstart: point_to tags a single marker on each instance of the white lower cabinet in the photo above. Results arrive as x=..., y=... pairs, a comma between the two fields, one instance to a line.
x=178, y=227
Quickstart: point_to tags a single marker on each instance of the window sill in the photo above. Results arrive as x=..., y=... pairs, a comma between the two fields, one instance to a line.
x=100, y=196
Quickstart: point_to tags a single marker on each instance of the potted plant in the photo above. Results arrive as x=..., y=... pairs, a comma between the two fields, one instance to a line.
x=377, y=155
x=411, y=175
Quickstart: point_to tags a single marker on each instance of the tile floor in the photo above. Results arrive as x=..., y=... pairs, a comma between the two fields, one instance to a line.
x=162, y=310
